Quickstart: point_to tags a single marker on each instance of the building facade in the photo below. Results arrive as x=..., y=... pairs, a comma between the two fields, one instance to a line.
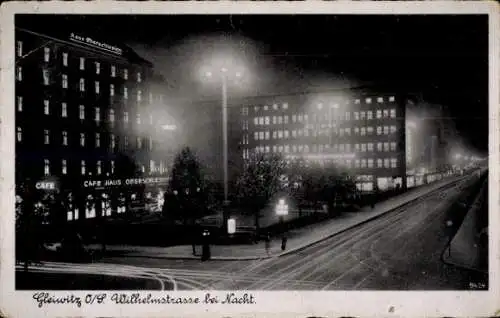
x=358, y=131
x=88, y=129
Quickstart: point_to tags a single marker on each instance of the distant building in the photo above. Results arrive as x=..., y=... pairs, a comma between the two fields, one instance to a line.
x=88, y=123
x=360, y=131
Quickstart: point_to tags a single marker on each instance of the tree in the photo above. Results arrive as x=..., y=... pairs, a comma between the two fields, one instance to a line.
x=186, y=186
x=259, y=182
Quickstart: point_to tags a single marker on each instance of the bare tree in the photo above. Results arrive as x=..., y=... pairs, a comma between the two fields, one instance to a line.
x=259, y=182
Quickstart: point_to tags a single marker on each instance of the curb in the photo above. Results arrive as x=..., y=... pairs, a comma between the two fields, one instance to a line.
x=299, y=248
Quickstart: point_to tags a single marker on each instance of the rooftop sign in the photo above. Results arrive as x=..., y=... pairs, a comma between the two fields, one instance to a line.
x=95, y=44
x=121, y=182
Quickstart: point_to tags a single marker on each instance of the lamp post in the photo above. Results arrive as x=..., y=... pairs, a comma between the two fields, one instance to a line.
x=224, y=75
x=281, y=211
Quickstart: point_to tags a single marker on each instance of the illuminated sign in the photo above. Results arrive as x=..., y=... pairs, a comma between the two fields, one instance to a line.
x=231, y=226
x=45, y=185
x=95, y=44
x=119, y=182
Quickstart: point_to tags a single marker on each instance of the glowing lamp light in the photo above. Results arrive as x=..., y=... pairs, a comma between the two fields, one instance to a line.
x=231, y=226
x=169, y=127
x=208, y=74
x=281, y=208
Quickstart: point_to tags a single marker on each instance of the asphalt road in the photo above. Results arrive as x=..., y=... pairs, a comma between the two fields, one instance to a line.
x=398, y=251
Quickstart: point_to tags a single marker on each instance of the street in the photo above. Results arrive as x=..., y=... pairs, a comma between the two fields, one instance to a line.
x=399, y=251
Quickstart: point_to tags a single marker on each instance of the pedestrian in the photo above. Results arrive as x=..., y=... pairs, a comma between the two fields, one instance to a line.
x=268, y=244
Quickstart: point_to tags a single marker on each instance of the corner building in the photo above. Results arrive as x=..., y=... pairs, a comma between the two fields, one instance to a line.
x=88, y=125
x=358, y=131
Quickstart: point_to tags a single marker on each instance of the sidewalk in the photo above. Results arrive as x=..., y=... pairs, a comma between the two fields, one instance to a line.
x=464, y=249
x=297, y=238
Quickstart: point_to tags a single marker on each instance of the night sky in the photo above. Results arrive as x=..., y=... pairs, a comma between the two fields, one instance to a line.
x=443, y=57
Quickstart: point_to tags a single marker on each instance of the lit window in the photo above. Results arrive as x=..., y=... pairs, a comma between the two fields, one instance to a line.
x=64, y=81
x=138, y=119
x=379, y=163
x=19, y=134
x=363, y=147
x=97, y=114
x=261, y=135
x=97, y=87
x=139, y=95
x=363, y=131
x=392, y=99
x=113, y=71
x=64, y=166
x=393, y=146
x=267, y=135
x=386, y=146
x=379, y=130
x=111, y=90
x=82, y=139
x=97, y=140
x=286, y=134
x=46, y=54
x=82, y=112
x=99, y=167
x=256, y=136
x=82, y=63
x=268, y=149
x=46, y=76
x=275, y=106
x=370, y=163
x=112, y=164
x=19, y=73
x=125, y=93
x=280, y=134
x=82, y=167
x=112, y=141
x=386, y=130
x=82, y=85
x=356, y=147
x=379, y=114
x=65, y=138
x=139, y=142
x=393, y=129
x=348, y=131
x=363, y=163
x=357, y=101
x=386, y=163
x=255, y=121
x=125, y=142
x=393, y=113
x=139, y=78
x=380, y=99
x=267, y=120
x=19, y=103
x=64, y=110
x=356, y=130
x=261, y=120
x=19, y=48
x=285, y=105
x=285, y=119
x=46, y=136
x=347, y=116
x=46, y=167
x=46, y=107
x=125, y=117
x=369, y=130
x=65, y=59
x=369, y=115
x=379, y=146
x=356, y=116
x=294, y=118
x=363, y=115
x=356, y=163
x=394, y=163
x=368, y=100
x=370, y=146
x=97, y=67
x=112, y=115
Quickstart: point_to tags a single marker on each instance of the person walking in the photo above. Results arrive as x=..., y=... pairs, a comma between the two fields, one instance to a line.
x=268, y=244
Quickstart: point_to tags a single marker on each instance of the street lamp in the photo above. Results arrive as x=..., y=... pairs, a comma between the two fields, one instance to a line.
x=224, y=74
x=281, y=211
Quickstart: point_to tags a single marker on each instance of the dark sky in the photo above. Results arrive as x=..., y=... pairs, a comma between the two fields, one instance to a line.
x=443, y=57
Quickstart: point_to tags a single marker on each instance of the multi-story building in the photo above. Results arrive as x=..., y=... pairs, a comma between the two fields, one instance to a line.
x=87, y=123
x=360, y=131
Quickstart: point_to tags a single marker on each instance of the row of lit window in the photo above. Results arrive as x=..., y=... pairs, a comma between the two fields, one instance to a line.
x=285, y=134
x=300, y=118
x=139, y=141
x=347, y=148
x=99, y=167
x=81, y=114
x=348, y=163
x=82, y=62
x=284, y=106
